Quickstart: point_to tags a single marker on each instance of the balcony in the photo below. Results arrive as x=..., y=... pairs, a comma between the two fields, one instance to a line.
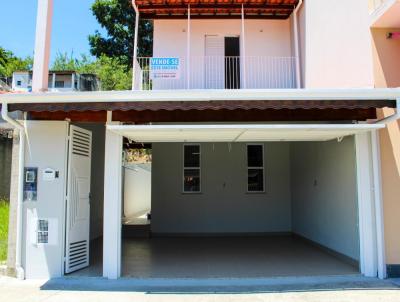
x=215, y=72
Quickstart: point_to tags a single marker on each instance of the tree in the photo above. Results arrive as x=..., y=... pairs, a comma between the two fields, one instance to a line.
x=117, y=17
x=10, y=63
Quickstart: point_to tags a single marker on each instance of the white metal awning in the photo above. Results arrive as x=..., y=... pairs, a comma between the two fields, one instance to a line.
x=239, y=132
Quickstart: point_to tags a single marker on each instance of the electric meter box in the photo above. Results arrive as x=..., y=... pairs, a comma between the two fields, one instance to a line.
x=30, y=184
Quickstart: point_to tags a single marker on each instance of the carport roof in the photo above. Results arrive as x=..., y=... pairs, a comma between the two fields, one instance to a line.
x=203, y=100
x=211, y=9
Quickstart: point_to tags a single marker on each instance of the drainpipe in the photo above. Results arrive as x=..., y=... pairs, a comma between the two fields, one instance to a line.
x=297, y=44
x=135, y=42
x=21, y=158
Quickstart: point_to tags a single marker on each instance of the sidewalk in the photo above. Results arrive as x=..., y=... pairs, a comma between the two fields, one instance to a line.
x=94, y=289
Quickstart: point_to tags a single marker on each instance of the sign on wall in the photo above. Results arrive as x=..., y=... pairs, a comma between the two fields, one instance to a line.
x=165, y=68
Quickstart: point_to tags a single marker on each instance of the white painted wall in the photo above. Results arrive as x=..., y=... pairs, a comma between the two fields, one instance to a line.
x=324, y=194
x=337, y=44
x=137, y=189
x=24, y=79
x=263, y=39
x=46, y=147
x=223, y=206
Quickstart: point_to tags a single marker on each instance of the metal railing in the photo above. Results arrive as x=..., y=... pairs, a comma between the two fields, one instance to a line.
x=217, y=72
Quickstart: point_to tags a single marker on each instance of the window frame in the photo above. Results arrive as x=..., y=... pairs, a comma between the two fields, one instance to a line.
x=190, y=168
x=56, y=84
x=259, y=168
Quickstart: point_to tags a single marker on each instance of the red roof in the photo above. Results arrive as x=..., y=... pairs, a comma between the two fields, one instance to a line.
x=211, y=9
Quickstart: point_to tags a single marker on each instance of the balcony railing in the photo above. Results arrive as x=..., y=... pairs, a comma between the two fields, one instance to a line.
x=215, y=72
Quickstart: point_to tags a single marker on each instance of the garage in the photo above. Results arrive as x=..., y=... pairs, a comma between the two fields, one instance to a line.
x=232, y=201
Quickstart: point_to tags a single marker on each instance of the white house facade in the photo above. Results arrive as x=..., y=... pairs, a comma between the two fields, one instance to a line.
x=263, y=136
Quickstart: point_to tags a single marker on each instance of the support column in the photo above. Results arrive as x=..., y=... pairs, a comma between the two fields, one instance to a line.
x=12, y=225
x=379, y=215
x=188, y=50
x=112, y=206
x=40, y=80
x=243, y=51
x=135, y=47
x=366, y=205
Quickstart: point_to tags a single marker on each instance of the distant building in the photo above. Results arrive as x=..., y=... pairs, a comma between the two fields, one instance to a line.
x=58, y=81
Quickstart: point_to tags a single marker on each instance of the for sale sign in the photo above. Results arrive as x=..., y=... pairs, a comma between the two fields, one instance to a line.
x=165, y=68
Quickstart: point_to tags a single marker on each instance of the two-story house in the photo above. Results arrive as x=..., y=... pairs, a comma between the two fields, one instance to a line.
x=261, y=120
x=59, y=81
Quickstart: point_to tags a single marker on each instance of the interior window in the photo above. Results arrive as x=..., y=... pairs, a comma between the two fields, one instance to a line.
x=255, y=168
x=191, y=169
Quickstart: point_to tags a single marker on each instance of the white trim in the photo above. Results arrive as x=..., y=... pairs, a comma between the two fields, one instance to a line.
x=379, y=215
x=190, y=168
x=203, y=95
x=239, y=132
x=366, y=213
x=112, y=206
x=259, y=168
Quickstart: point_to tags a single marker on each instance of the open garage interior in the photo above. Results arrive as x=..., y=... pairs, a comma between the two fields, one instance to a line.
x=230, y=210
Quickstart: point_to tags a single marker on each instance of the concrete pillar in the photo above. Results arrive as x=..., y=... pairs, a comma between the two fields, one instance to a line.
x=112, y=206
x=367, y=198
x=40, y=79
x=12, y=225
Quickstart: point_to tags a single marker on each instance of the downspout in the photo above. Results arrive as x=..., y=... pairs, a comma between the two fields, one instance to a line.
x=297, y=44
x=135, y=42
x=21, y=159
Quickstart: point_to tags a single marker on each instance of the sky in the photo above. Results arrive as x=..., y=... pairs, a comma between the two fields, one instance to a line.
x=72, y=23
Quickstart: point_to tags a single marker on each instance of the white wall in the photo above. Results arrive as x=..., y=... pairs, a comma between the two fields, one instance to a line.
x=137, y=189
x=263, y=38
x=223, y=206
x=46, y=147
x=337, y=44
x=324, y=194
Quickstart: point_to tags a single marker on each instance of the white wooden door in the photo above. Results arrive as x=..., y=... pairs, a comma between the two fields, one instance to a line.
x=214, y=61
x=78, y=199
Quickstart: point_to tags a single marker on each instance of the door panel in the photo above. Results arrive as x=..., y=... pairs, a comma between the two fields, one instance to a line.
x=78, y=199
x=214, y=62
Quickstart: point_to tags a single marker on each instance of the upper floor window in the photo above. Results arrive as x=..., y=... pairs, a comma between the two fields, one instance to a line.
x=191, y=168
x=255, y=168
x=19, y=83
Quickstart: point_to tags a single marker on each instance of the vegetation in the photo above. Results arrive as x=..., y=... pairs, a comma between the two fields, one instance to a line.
x=4, y=214
x=10, y=63
x=117, y=17
x=112, y=72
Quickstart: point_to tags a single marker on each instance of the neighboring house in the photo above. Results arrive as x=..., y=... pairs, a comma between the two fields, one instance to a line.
x=261, y=121
x=385, y=31
x=58, y=81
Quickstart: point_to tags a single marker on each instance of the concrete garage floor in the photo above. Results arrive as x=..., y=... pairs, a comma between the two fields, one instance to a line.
x=228, y=257
x=225, y=257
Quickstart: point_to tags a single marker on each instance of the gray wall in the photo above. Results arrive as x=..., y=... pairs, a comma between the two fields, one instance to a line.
x=324, y=194
x=5, y=166
x=97, y=178
x=223, y=205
